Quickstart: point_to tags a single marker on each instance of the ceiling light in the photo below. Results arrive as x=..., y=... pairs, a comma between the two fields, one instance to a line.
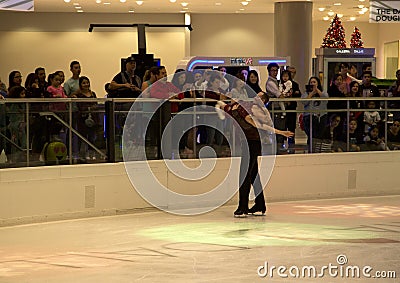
x=80, y=11
x=337, y=4
x=122, y=1
x=184, y=4
x=248, y=0
x=340, y=15
x=139, y=2
x=76, y=4
x=326, y=18
x=78, y=7
x=244, y=3
x=364, y=10
x=172, y=1
x=361, y=12
x=218, y=4
x=98, y=1
x=131, y=11
x=352, y=18
x=241, y=9
x=330, y=13
x=107, y=3
x=321, y=9
x=360, y=6
x=361, y=0
x=182, y=11
x=67, y=1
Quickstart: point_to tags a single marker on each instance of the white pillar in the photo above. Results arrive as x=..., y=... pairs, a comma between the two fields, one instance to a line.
x=293, y=36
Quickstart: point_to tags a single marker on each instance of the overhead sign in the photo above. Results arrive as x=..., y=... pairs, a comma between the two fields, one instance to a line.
x=19, y=5
x=342, y=52
x=387, y=11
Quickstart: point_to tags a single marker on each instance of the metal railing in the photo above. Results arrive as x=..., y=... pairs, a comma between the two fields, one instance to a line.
x=40, y=122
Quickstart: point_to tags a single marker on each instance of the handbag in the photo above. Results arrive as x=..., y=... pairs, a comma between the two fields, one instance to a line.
x=89, y=122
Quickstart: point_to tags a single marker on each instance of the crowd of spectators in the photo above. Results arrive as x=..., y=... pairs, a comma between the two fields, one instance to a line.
x=361, y=128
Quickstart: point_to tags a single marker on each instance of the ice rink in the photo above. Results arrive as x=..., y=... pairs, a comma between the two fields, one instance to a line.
x=335, y=240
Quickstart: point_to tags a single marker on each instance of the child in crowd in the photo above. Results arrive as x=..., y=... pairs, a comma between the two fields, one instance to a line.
x=355, y=136
x=372, y=117
x=55, y=90
x=285, y=87
x=373, y=141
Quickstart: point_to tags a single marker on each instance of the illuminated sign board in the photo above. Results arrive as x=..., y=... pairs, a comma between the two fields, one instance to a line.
x=341, y=52
x=387, y=11
x=241, y=61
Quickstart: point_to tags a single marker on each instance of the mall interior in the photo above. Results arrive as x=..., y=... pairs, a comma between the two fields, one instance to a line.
x=338, y=213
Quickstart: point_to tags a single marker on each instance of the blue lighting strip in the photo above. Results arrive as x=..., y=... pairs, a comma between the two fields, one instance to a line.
x=271, y=61
x=195, y=62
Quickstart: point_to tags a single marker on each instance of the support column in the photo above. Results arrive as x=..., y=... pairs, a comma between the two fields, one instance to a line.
x=293, y=36
x=188, y=21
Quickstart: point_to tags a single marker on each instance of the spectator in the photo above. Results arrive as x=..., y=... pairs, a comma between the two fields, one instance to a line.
x=213, y=92
x=3, y=94
x=126, y=84
x=291, y=117
x=14, y=79
x=17, y=124
x=346, y=80
x=184, y=82
x=153, y=72
x=3, y=90
x=32, y=86
x=72, y=84
x=353, y=73
x=367, y=88
x=355, y=104
x=371, y=117
x=373, y=141
x=355, y=137
x=253, y=82
x=315, y=120
x=41, y=73
x=394, y=91
x=285, y=87
x=238, y=90
x=285, y=84
x=331, y=134
x=224, y=83
x=272, y=87
x=62, y=76
x=88, y=119
x=335, y=91
x=393, y=135
x=245, y=73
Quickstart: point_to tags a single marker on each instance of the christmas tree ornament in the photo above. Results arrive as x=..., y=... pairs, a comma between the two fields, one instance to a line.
x=335, y=35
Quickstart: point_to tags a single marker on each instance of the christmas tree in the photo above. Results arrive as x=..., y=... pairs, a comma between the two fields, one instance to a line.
x=334, y=37
x=356, y=41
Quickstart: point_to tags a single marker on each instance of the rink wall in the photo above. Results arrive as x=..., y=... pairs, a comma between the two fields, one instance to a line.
x=41, y=194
